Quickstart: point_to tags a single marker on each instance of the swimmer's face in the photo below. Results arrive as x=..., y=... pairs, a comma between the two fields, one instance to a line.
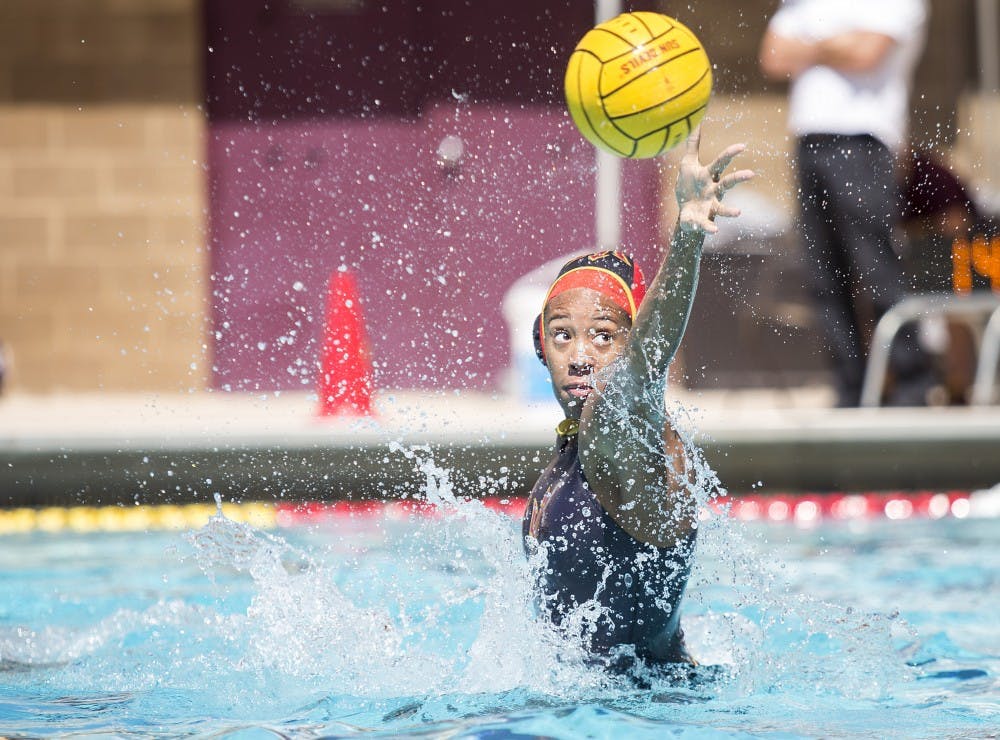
x=585, y=331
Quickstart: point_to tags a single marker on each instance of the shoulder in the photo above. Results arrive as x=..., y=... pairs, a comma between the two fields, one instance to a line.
x=901, y=20
x=794, y=17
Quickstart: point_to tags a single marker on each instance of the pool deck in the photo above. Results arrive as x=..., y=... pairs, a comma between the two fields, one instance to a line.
x=104, y=449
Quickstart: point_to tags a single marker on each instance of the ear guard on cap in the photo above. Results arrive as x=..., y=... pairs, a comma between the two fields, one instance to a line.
x=536, y=335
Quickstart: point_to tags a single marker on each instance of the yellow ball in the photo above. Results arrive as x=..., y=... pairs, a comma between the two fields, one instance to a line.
x=638, y=84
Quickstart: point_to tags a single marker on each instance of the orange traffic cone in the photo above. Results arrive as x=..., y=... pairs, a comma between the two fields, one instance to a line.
x=345, y=365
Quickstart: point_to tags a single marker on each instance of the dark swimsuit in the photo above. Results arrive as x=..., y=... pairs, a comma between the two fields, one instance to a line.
x=638, y=586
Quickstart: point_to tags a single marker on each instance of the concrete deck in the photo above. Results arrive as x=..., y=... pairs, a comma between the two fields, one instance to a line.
x=104, y=449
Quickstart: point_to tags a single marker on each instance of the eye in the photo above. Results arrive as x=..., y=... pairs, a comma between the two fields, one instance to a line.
x=560, y=336
x=603, y=338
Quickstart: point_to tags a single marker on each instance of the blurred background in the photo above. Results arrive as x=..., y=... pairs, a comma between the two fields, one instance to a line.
x=179, y=179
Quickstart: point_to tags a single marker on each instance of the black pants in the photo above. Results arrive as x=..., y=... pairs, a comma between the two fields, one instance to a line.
x=848, y=201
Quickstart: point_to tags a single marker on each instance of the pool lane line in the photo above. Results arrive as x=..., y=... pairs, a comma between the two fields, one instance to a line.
x=136, y=518
x=800, y=509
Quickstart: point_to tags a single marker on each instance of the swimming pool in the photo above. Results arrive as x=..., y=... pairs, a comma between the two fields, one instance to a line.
x=391, y=623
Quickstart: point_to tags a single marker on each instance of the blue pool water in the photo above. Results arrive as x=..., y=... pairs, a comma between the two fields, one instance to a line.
x=423, y=625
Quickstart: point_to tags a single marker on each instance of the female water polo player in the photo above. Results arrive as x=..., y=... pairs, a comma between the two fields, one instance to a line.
x=614, y=511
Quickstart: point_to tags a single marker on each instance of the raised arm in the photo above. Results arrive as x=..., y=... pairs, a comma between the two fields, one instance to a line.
x=631, y=455
x=663, y=316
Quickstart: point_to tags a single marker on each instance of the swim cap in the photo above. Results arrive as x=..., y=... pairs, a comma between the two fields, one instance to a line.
x=613, y=274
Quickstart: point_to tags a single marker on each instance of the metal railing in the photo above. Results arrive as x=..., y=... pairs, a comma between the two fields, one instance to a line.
x=975, y=309
x=989, y=358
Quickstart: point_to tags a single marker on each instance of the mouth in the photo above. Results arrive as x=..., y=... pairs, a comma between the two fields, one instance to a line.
x=578, y=390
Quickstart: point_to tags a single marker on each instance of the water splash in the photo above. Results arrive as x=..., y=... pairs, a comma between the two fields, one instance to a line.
x=543, y=657
x=753, y=617
x=474, y=631
x=298, y=623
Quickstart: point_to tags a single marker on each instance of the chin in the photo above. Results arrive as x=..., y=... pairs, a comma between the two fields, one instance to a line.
x=572, y=407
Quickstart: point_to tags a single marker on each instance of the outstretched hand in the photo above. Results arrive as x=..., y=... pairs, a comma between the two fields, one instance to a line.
x=700, y=187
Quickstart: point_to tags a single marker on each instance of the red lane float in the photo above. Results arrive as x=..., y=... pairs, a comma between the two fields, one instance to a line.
x=802, y=509
x=808, y=508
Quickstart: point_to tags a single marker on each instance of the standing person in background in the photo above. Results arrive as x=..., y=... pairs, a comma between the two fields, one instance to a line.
x=850, y=63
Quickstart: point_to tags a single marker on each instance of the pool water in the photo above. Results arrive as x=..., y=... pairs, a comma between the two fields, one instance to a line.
x=423, y=625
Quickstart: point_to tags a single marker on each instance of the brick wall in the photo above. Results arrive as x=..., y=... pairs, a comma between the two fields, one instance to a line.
x=102, y=256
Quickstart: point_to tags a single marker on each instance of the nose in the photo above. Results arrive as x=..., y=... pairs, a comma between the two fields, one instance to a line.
x=580, y=360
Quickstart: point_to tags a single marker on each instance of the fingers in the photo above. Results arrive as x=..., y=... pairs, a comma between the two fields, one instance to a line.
x=727, y=211
x=700, y=188
x=720, y=163
x=694, y=142
x=706, y=223
x=733, y=179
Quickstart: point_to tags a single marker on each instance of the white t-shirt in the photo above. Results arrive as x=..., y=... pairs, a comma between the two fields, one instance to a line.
x=823, y=100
